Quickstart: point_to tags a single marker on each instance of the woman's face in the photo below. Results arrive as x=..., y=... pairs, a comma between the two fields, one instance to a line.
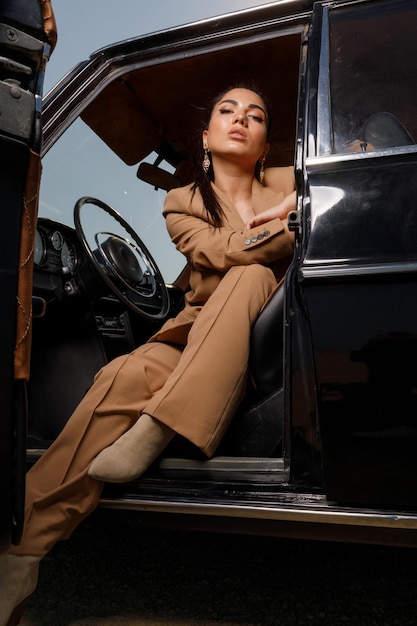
x=238, y=128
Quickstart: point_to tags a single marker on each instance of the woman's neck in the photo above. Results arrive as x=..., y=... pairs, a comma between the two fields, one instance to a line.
x=236, y=185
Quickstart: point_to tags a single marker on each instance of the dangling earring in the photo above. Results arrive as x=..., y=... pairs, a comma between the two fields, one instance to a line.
x=262, y=171
x=206, y=161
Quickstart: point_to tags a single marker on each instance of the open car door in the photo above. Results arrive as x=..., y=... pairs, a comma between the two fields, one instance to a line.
x=27, y=36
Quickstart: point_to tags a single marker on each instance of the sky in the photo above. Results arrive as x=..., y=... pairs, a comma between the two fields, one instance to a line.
x=87, y=25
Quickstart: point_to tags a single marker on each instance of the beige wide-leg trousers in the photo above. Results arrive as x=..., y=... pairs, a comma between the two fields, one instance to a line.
x=193, y=389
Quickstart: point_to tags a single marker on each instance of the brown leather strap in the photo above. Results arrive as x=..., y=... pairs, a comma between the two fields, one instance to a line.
x=25, y=275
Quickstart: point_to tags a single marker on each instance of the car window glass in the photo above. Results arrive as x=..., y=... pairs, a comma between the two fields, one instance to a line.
x=373, y=75
x=80, y=164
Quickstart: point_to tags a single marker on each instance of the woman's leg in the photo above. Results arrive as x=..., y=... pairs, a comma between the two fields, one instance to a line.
x=194, y=393
x=202, y=393
x=59, y=492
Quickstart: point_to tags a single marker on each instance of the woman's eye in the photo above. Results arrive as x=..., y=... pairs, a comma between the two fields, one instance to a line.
x=223, y=111
x=256, y=118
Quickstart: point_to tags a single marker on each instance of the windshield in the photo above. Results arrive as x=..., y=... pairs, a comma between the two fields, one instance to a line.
x=80, y=164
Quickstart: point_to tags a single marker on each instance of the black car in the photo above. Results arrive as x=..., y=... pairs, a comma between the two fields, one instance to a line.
x=324, y=444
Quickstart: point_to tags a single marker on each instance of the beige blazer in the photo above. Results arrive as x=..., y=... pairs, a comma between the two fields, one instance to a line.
x=211, y=252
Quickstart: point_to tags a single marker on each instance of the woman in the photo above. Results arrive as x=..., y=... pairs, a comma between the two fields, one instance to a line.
x=231, y=226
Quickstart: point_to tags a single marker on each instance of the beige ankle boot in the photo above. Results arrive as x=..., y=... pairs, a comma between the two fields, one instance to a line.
x=18, y=579
x=133, y=452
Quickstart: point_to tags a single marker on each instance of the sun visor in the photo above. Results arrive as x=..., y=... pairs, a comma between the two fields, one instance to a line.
x=118, y=118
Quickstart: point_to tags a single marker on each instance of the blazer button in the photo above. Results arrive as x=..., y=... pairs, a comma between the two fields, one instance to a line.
x=260, y=236
x=266, y=233
x=247, y=242
x=254, y=239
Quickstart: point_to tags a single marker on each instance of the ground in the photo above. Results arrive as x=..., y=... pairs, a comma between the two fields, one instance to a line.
x=113, y=572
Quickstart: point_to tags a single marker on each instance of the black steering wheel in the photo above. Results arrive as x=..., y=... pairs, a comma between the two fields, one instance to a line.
x=119, y=262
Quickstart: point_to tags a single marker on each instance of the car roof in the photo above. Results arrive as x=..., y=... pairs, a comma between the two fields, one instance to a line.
x=157, y=85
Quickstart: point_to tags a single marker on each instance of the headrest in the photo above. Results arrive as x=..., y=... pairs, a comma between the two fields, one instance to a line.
x=384, y=130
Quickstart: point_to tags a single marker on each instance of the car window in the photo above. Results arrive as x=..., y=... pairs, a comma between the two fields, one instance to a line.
x=373, y=75
x=80, y=164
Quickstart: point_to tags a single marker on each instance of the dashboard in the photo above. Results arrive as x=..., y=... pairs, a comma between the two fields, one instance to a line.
x=62, y=269
x=57, y=249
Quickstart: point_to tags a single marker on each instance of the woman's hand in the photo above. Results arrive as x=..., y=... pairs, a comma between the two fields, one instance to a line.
x=280, y=211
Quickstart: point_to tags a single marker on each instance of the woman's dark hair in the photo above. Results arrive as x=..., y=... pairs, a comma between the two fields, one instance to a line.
x=203, y=180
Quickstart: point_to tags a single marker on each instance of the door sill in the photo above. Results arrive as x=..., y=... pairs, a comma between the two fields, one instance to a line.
x=226, y=468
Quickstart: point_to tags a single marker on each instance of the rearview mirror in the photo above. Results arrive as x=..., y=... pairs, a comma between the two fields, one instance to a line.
x=159, y=178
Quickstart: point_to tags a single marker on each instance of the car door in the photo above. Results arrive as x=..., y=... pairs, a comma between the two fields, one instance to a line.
x=357, y=268
x=27, y=36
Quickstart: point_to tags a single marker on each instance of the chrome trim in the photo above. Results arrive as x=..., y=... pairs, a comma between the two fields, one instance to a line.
x=223, y=468
x=324, y=144
x=149, y=274
x=327, y=271
x=35, y=453
x=323, y=514
x=348, y=157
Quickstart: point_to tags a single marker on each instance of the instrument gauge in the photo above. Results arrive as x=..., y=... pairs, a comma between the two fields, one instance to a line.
x=39, y=250
x=57, y=240
x=68, y=257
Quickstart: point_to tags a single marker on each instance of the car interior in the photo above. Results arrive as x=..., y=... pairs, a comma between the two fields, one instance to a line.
x=82, y=324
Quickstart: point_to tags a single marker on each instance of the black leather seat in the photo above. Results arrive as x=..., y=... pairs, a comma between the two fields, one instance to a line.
x=266, y=361
x=257, y=428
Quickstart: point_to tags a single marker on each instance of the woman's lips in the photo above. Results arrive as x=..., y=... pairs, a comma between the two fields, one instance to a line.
x=237, y=134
